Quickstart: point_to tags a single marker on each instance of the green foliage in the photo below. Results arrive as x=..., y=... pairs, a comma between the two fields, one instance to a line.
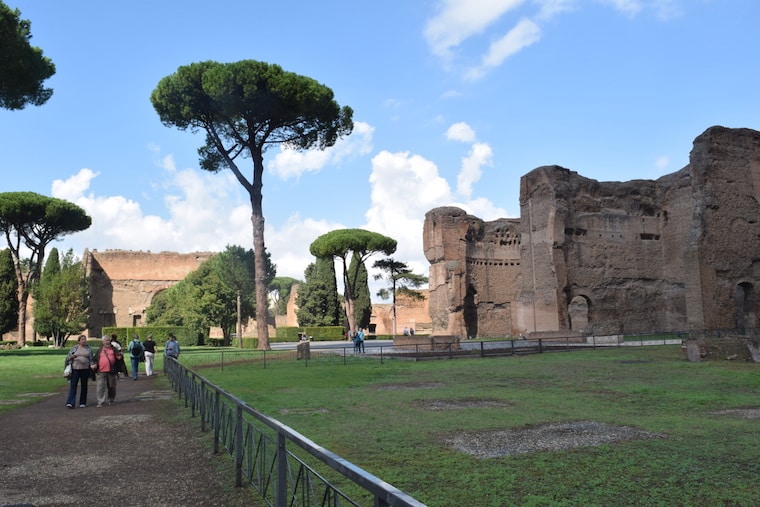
x=245, y=107
x=61, y=298
x=208, y=296
x=401, y=279
x=317, y=299
x=402, y=282
x=318, y=333
x=287, y=333
x=8, y=293
x=250, y=102
x=185, y=336
x=279, y=293
x=362, y=299
x=23, y=68
x=30, y=222
x=325, y=333
x=355, y=242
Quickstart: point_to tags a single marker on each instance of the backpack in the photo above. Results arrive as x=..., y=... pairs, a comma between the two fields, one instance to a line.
x=137, y=349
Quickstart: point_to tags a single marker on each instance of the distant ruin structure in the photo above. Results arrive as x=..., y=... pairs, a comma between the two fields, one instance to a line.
x=678, y=253
x=123, y=283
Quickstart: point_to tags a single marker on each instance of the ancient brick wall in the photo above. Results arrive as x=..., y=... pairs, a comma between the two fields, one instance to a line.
x=123, y=283
x=474, y=272
x=675, y=253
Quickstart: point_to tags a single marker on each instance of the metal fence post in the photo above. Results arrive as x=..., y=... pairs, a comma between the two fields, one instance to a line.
x=239, y=446
x=282, y=473
x=217, y=420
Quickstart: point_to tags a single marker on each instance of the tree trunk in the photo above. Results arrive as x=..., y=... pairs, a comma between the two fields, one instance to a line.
x=239, y=326
x=22, y=299
x=259, y=253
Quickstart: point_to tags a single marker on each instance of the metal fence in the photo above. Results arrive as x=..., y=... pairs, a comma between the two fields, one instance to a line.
x=331, y=352
x=261, y=449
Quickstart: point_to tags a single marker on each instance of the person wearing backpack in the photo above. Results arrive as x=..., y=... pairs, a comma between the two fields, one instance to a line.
x=136, y=354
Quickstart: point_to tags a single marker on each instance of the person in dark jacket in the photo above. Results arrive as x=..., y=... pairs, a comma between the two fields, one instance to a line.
x=81, y=360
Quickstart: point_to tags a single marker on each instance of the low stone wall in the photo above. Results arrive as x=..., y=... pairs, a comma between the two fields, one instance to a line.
x=560, y=336
x=427, y=342
x=728, y=348
x=614, y=339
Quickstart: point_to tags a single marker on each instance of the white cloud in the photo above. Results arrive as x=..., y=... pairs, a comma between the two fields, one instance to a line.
x=480, y=155
x=289, y=245
x=460, y=132
x=206, y=212
x=628, y=7
x=551, y=8
x=458, y=20
x=75, y=186
x=289, y=163
x=404, y=188
x=524, y=34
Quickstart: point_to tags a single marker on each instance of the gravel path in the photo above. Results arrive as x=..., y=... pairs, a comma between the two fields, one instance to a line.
x=54, y=456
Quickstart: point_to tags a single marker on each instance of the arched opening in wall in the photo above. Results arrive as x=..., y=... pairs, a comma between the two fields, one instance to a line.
x=161, y=306
x=744, y=297
x=470, y=312
x=577, y=311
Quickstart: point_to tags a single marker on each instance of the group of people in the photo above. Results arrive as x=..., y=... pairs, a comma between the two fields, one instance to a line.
x=107, y=363
x=358, y=340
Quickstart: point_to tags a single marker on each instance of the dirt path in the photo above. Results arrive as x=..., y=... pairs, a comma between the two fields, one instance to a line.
x=54, y=456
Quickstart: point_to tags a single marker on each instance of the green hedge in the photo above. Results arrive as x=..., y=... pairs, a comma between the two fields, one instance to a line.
x=317, y=333
x=185, y=336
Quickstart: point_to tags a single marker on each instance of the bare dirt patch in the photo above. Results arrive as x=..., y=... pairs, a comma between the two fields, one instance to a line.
x=544, y=437
x=744, y=413
x=459, y=404
x=303, y=411
x=410, y=385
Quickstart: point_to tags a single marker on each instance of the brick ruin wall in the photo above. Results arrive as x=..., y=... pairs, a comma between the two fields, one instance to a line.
x=680, y=252
x=123, y=283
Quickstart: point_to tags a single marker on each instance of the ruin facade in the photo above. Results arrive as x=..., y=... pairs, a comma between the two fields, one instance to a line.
x=678, y=253
x=123, y=283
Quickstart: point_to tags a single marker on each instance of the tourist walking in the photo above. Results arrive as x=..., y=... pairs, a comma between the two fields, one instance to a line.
x=136, y=350
x=150, y=354
x=81, y=360
x=171, y=349
x=121, y=366
x=106, y=365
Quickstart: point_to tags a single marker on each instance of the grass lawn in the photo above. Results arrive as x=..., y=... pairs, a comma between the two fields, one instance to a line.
x=28, y=374
x=396, y=419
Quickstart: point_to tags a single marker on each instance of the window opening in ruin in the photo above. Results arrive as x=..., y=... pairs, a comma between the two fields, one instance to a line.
x=744, y=298
x=470, y=312
x=577, y=312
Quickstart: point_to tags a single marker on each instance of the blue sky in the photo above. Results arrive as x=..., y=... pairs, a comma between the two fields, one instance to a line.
x=453, y=102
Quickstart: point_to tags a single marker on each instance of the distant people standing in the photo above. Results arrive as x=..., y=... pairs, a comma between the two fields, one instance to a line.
x=150, y=353
x=136, y=351
x=171, y=349
x=406, y=331
x=106, y=363
x=355, y=339
x=360, y=336
x=81, y=360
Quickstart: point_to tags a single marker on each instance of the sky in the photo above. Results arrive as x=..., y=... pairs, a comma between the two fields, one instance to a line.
x=454, y=101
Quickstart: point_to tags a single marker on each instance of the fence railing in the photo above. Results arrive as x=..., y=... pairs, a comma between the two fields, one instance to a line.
x=263, y=459
x=331, y=352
